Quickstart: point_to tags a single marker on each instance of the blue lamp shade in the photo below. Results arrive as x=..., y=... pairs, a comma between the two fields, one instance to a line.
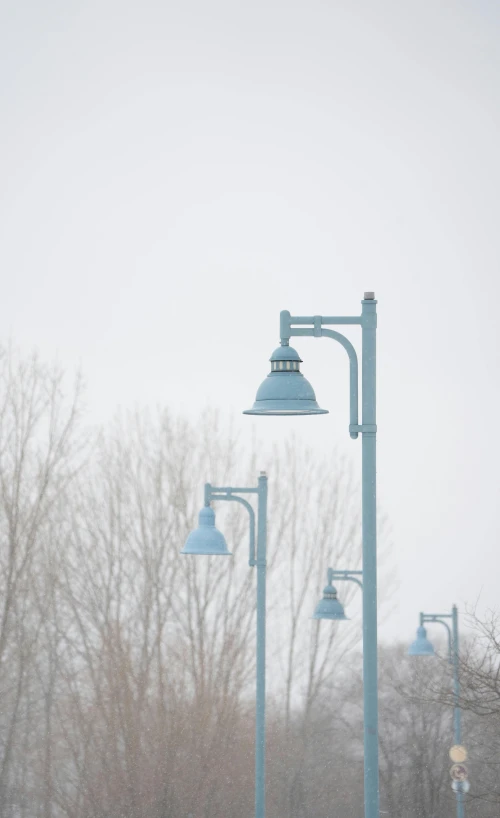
x=329, y=607
x=206, y=539
x=421, y=646
x=285, y=391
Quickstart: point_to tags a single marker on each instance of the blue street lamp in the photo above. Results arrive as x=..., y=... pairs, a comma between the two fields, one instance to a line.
x=329, y=607
x=423, y=647
x=285, y=391
x=207, y=539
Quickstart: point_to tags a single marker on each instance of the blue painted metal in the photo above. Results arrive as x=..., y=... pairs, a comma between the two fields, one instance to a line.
x=319, y=332
x=456, y=678
x=228, y=494
x=441, y=619
x=352, y=576
x=201, y=541
x=421, y=646
x=329, y=607
x=457, y=725
x=206, y=539
x=285, y=391
x=286, y=320
x=260, y=718
x=369, y=524
x=283, y=355
x=286, y=400
x=454, y=658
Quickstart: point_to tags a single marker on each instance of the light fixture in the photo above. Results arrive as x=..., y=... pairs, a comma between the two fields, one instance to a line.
x=329, y=607
x=421, y=646
x=206, y=539
x=285, y=391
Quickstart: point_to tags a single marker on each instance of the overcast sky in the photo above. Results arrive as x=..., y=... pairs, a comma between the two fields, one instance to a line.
x=176, y=173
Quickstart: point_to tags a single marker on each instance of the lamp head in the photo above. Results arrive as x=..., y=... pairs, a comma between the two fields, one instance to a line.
x=285, y=391
x=421, y=646
x=206, y=539
x=329, y=607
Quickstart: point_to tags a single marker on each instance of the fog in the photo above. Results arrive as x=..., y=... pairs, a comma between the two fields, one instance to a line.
x=175, y=174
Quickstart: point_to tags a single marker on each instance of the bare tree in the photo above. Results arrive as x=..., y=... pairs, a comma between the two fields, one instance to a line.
x=480, y=702
x=157, y=647
x=41, y=450
x=128, y=670
x=316, y=524
x=416, y=734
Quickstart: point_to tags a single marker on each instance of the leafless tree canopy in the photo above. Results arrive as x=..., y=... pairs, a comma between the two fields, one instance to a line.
x=479, y=673
x=127, y=671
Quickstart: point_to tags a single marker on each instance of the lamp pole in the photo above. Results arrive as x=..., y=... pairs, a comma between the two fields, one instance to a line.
x=453, y=658
x=286, y=392
x=207, y=540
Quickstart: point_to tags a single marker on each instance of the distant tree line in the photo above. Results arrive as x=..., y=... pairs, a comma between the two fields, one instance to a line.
x=127, y=671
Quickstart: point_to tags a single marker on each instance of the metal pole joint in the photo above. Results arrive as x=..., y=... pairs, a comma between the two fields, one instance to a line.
x=364, y=428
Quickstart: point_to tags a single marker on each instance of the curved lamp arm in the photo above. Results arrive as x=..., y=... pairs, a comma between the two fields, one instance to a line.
x=439, y=618
x=453, y=659
x=345, y=575
x=353, y=378
x=212, y=493
x=318, y=331
x=257, y=558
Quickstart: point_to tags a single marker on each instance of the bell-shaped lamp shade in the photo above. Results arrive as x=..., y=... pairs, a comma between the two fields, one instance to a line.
x=285, y=391
x=329, y=607
x=206, y=539
x=421, y=646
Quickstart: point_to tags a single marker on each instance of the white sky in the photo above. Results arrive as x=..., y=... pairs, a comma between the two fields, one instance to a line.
x=176, y=173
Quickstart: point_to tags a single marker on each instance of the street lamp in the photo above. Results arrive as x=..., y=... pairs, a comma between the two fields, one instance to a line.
x=329, y=607
x=423, y=647
x=285, y=391
x=207, y=539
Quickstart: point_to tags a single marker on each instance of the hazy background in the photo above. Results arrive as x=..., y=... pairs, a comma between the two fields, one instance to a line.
x=175, y=174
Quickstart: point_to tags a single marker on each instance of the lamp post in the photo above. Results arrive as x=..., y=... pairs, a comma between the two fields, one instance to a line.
x=423, y=647
x=285, y=391
x=207, y=539
x=329, y=607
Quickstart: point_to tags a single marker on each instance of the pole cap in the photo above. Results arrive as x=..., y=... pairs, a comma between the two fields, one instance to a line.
x=369, y=296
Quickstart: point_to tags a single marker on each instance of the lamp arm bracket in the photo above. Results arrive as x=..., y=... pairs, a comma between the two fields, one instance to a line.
x=287, y=320
x=318, y=331
x=351, y=576
x=439, y=618
x=230, y=490
x=436, y=617
x=227, y=494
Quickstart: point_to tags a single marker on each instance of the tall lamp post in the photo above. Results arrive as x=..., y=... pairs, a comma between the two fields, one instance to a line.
x=285, y=391
x=208, y=540
x=423, y=647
